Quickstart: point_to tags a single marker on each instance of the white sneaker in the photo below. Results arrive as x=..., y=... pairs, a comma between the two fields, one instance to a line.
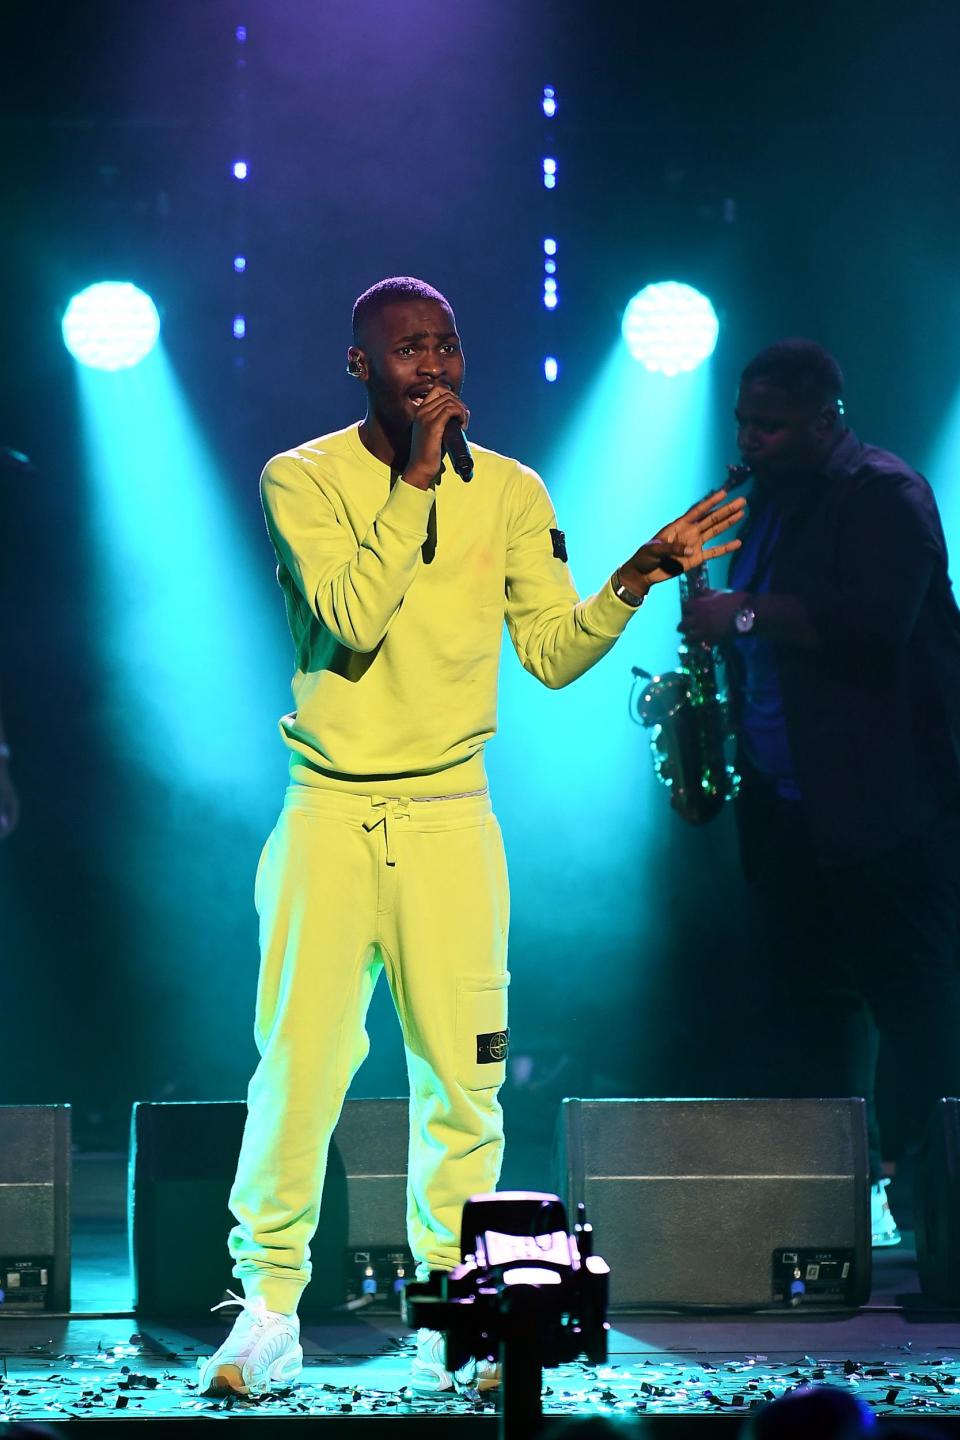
x=883, y=1227
x=261, y=1353
x=430, y=1376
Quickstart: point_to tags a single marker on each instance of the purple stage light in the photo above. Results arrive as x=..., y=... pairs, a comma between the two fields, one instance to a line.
x=241, y=33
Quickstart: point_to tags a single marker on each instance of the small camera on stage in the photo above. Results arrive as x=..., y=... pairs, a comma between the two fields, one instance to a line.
x=528, y=1293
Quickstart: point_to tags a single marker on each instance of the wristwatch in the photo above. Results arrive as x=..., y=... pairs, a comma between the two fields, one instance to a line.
x=745, y=619
x=622, y=593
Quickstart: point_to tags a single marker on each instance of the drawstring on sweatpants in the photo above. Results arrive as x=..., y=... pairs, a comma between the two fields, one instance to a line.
x=386, y=811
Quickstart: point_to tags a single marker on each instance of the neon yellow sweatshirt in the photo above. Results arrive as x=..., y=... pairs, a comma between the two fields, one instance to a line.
x=396, y=599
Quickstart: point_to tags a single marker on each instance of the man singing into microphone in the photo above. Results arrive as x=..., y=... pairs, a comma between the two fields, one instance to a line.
x=397, y=577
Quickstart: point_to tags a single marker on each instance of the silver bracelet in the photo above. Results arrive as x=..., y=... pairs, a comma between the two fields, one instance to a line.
x=622, y=593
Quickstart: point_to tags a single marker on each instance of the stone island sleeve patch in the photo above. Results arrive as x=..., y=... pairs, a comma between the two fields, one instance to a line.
x=492, y=1048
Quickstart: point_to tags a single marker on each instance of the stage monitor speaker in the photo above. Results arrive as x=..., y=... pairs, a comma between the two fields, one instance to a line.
x=182, y=1161
x=937, y=1205
x=732, y=1204
x=35, y=1207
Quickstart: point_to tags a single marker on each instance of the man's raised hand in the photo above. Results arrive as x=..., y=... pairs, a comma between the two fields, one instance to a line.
x=685, y=543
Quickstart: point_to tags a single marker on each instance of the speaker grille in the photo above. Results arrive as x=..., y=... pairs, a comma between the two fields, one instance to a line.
x=690, y=1199
x=182, y=1162
x=35, y=1207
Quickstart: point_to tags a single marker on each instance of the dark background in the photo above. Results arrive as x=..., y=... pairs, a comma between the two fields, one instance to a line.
x=798, y=163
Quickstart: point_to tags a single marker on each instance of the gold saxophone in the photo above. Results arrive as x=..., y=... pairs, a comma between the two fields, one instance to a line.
x=687, y=712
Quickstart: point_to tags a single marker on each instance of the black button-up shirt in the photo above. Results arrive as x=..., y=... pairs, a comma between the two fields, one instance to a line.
x=873, y=715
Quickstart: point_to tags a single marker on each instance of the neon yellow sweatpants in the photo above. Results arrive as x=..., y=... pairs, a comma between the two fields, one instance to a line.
x=349, y=885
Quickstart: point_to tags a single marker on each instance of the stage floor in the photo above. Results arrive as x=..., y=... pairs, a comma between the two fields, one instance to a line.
x=102, y=1363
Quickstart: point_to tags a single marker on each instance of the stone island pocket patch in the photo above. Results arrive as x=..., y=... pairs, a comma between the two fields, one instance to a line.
x=559, y=544
x=482, y=1031
x=492, y=1048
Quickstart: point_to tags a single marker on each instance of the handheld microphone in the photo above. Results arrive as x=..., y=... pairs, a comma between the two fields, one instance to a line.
x=455, y=445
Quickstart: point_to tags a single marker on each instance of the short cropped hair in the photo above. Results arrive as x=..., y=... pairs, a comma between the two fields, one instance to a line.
x=389, y=292
x=801, y=367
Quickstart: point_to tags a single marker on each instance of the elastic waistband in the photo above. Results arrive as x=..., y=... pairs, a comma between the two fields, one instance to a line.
x=423, y=812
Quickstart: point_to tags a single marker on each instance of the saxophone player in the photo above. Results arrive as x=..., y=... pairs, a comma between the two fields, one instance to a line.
x=842, y=637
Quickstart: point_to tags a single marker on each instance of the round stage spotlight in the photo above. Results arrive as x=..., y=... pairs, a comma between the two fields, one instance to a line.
x=111, y=325
x=670, y=327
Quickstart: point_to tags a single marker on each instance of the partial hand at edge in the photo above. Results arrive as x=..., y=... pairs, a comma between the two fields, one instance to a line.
x=9, y=804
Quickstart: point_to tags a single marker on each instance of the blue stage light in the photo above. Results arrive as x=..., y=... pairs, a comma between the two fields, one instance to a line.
x=670, y=327
x=239, y=327
x=241, y=33
x=550, y=299
x=239, y=263
x=549, y=247
x=240, y=170
x=111, y=325
x=549, y=101
x=550, y=173
x=551, y=368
